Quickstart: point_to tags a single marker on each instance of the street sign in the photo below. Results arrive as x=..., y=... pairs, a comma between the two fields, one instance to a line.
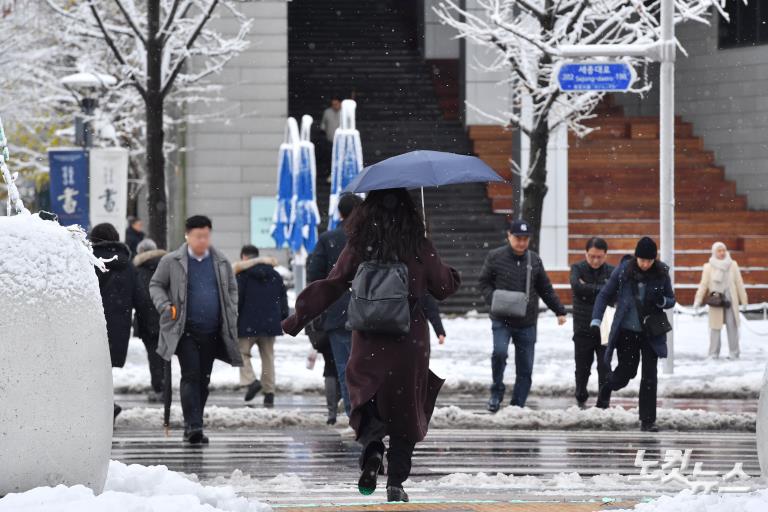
x=595, y=76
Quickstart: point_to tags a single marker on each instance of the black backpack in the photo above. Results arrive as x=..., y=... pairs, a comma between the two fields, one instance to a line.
x=379, y=300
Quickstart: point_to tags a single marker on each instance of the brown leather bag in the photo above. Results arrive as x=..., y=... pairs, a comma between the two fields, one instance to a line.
x=716, y=300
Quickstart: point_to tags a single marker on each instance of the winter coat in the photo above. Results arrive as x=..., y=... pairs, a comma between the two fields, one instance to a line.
x=146, y=264
x=432, y=311
x=168, y=286
x=504, y=270
x=393, y=370
x=620, y=289
x=263, y=301
x=121, y=292
x=737, y=294
x=321, y=262
x=586, y=283
x=132, y=239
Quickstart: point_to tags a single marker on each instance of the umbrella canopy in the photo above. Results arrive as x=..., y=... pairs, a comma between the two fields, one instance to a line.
x=347, y=160
x=286, y=162
x=419, y=169
x=305, y=217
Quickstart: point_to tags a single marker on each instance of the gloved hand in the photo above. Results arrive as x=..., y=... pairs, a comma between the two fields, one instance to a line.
x=594, y=327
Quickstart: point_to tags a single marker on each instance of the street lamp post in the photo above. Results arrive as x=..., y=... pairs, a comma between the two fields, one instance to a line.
x=662, y=51
x=84, y=87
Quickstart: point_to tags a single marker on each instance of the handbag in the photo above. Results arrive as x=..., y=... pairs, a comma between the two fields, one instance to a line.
x=512, y=304
x=717, y=300
x=654, y=324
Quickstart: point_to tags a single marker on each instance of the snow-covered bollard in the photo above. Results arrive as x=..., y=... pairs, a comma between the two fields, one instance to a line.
x=762, y=426
x=55, y=375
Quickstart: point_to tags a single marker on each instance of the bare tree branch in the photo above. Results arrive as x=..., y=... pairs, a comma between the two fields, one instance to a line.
x=131, y=23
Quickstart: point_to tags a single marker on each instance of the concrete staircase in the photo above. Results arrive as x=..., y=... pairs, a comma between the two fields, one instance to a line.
x=614, y=193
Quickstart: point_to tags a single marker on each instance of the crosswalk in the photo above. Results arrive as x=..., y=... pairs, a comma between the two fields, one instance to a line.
x=319, y=466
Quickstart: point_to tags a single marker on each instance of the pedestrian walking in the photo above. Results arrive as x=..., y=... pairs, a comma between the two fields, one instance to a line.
x=587, y=279
x=334, y=320
x=641, y=289
x=391, y=389
x=121, y=293
x=134, y=234
x=195, y=292
x=262, y=305
x=511, y=281
x=147, y=258
x=722, y=289
x=320, y=342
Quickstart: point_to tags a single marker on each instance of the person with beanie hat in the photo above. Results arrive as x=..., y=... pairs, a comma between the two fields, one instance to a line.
x=641, y=288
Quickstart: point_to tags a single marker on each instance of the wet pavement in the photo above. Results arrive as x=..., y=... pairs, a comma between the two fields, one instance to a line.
x=300, y=467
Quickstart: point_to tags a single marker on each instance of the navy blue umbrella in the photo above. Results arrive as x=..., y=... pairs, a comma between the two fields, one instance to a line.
x=419, y=169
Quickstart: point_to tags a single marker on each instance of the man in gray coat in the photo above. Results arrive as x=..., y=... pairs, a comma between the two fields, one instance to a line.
x=195, y=292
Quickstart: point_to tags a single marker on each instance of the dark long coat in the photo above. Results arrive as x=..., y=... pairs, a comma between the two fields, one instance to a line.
x=393, y=370
x=121, y=293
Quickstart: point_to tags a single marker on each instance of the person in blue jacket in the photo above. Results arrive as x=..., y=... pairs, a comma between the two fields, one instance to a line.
x=640, y=287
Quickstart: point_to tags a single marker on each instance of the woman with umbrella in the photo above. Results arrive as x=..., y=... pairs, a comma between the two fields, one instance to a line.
x=391, y=388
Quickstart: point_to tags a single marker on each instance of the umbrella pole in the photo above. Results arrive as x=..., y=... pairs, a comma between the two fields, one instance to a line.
x=424, y=211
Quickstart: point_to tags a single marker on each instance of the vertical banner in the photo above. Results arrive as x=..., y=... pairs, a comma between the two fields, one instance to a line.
x=262, y=209
x=69, y=186
x=109, y=187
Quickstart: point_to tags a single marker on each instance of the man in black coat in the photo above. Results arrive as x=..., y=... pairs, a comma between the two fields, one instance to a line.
x=587, y=279
x=262, y=305
x=506, y=268
x=134, y=234
x=321, y=261
x=147, y=258
x=121, y=292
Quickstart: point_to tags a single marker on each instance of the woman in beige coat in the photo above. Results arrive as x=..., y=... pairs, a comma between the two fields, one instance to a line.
x=722, y=275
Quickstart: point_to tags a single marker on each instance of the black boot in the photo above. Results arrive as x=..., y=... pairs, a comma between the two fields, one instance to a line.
x=396, y=493
x=195, y=436
x=269, y=400
x=604, y=398
x=372, y=465
x=253, y=388
x=649, y=426
x=494, y=404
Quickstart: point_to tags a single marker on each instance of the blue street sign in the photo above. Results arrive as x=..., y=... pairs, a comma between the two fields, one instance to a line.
x=595, y=76
x=69, y=186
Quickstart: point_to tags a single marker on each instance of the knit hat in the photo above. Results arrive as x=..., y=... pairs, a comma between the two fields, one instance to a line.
x=146, y=245
x=646, y=249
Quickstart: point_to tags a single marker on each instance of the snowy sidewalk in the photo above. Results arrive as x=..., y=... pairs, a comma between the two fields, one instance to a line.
x=465, y=363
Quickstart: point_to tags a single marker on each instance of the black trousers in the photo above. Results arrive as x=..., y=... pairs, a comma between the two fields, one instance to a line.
x=586, y=346
x=630, y=348
x=400, y=453
x=155, y=363
x=196, y=352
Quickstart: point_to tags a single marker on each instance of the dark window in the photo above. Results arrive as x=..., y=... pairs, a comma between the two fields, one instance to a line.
x=748, y=25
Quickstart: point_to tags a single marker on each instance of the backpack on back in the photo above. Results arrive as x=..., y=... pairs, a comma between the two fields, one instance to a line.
x=379, y=300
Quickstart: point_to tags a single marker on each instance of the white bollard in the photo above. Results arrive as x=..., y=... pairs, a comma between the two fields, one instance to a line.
x=55, y=374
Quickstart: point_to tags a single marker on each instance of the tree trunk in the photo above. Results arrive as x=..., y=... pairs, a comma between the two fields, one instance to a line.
x=157, y=198
x=536, y=189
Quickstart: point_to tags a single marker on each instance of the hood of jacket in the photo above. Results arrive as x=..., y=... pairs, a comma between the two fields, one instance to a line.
x=149, y=258
x=242, y=266
x=110, y=250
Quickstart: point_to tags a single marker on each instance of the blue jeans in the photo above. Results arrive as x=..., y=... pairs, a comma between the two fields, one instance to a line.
x=341, y=346
x=524, y=339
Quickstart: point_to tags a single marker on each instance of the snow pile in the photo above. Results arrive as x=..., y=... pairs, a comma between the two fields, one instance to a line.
x=686, y=501
x=282, y=483
x=224, y=417
x=614, y=418
x=134, y=488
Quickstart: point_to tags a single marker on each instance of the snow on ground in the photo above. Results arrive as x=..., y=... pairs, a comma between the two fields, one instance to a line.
x=134, y=488
x=615, y=418
x=686, y=501
x=465, y=362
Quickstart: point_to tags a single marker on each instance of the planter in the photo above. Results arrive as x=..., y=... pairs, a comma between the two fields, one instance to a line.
x=55, y=375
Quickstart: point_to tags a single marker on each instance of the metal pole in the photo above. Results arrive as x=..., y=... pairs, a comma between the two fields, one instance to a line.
x=667, y=155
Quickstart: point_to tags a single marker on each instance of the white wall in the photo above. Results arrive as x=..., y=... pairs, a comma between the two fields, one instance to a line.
x=439, y=41
x=230, y=162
